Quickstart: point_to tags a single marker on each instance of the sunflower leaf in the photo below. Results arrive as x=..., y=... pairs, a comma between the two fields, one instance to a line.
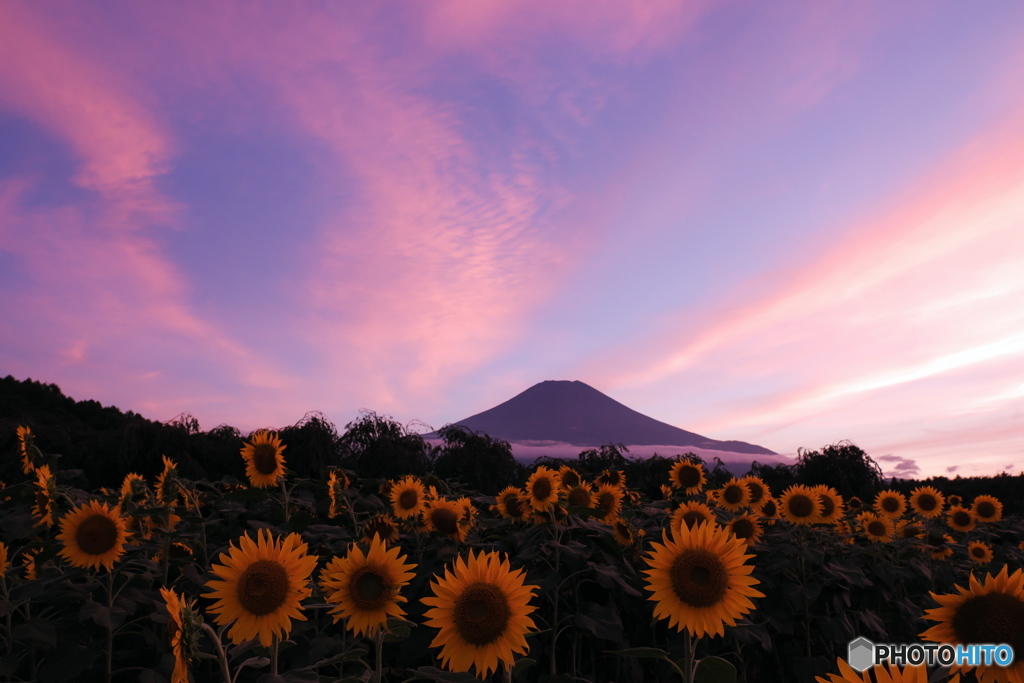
x=714, y=670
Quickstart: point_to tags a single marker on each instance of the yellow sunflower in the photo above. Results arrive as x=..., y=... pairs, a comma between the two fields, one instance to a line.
x=382, y=527
x=877, y=528
x=746, y=528
x=691, y=513
x=666, y=491
x=512, y=504
x=44, y=508
x=133, y=492
x=542, y=488
x=800, y=505
x=569, y=477
x=989, y=611
x=4, y=560
x=687, y=475
x=734, y=495
x=769, y=509
x=939, y=546
x=980, y=552
x=883, y=673
x=954, y=500
x=482, y=610
x=907, y=529
x=25, y=444
x=93, y=535
x=987, y=509
x=264, y=459
x=854, y=504
x=447, y=518
x=607, y=503
x=469, y=510
x=28, y=560
x=844, y=531
x=364, y=587
x=927, y=501
x=182, y=631
x=831, y=503
x=624, y=533
x=612, y=478
x=759, y=491
x=408, y=498
x=580, y=495
x=260, y=586
x=167, y=483
x=337, y=484
x=891, y=504
x=961, y=519
x=700, y=580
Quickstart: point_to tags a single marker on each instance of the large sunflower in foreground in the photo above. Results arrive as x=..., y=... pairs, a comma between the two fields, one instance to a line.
x=264, y=459
x=687, y=475
x=260, y=585
x=800, y=505
x=987, y=509
x=927, y=501
x=883, y=673
x=542, y=488
x=700, y=580
x=93, y=535
x=482, y=608
x=408, y=497
x=364, y=587
x=989, y=611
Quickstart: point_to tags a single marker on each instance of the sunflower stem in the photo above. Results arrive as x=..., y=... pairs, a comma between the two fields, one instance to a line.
x=379, y=645
x=110, y=624
x=221, y=656
x=273, y=656
x=689, y=648
x=284, y=501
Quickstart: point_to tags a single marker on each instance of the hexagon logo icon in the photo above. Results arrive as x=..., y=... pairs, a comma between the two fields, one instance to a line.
x=861, y=654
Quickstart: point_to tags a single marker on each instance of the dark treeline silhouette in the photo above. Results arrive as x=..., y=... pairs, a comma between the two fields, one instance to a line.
x=106, y=444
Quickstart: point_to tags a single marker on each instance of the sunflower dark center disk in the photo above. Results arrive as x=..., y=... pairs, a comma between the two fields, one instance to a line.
x=542, y=488
x=579, y=496
x=855, y=503
x=481, y=614
x=693, y=517
x=688, y=477
x=801, y=506
x=911, y=531
x=986, y=509
x=445, y=521
x=96, y=535
x=927, y=502
x=978, y=551
x=606, y=503
x=769, y=509
x=991, y=618
x=370, y=588
x=611, y=478
x=890, y=504
x=743, y=528
x=699, y=578
x=263, y=587
x=828, y=506
x=513, y=505
x=264, y=458
x=570, y=478
x=876, y=528
x=732, y=494
x=407, y=499
x=961, y=518
x=936, y=541
x=756, y=492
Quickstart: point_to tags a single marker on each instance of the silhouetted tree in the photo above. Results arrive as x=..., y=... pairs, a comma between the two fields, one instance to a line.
x=376, y=446
x=609, y=456
x=477, y=460
x=843, y=466
x=312, y=445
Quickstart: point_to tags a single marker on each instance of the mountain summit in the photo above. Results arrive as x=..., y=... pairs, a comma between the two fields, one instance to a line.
x=576, y=413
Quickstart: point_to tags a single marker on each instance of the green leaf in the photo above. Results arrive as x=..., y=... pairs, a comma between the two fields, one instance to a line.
x=714, y=670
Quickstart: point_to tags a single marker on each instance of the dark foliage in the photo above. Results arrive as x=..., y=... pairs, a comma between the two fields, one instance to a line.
x=476, y=460
x=844, y=467
x=378, y=446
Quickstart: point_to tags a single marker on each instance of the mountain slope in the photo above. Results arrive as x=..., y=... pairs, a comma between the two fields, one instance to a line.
x=576, y=413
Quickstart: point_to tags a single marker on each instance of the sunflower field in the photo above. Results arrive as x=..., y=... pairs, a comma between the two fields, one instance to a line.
x=566, y=575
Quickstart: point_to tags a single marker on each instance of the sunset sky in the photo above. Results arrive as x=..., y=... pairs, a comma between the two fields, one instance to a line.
x=785, y=223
